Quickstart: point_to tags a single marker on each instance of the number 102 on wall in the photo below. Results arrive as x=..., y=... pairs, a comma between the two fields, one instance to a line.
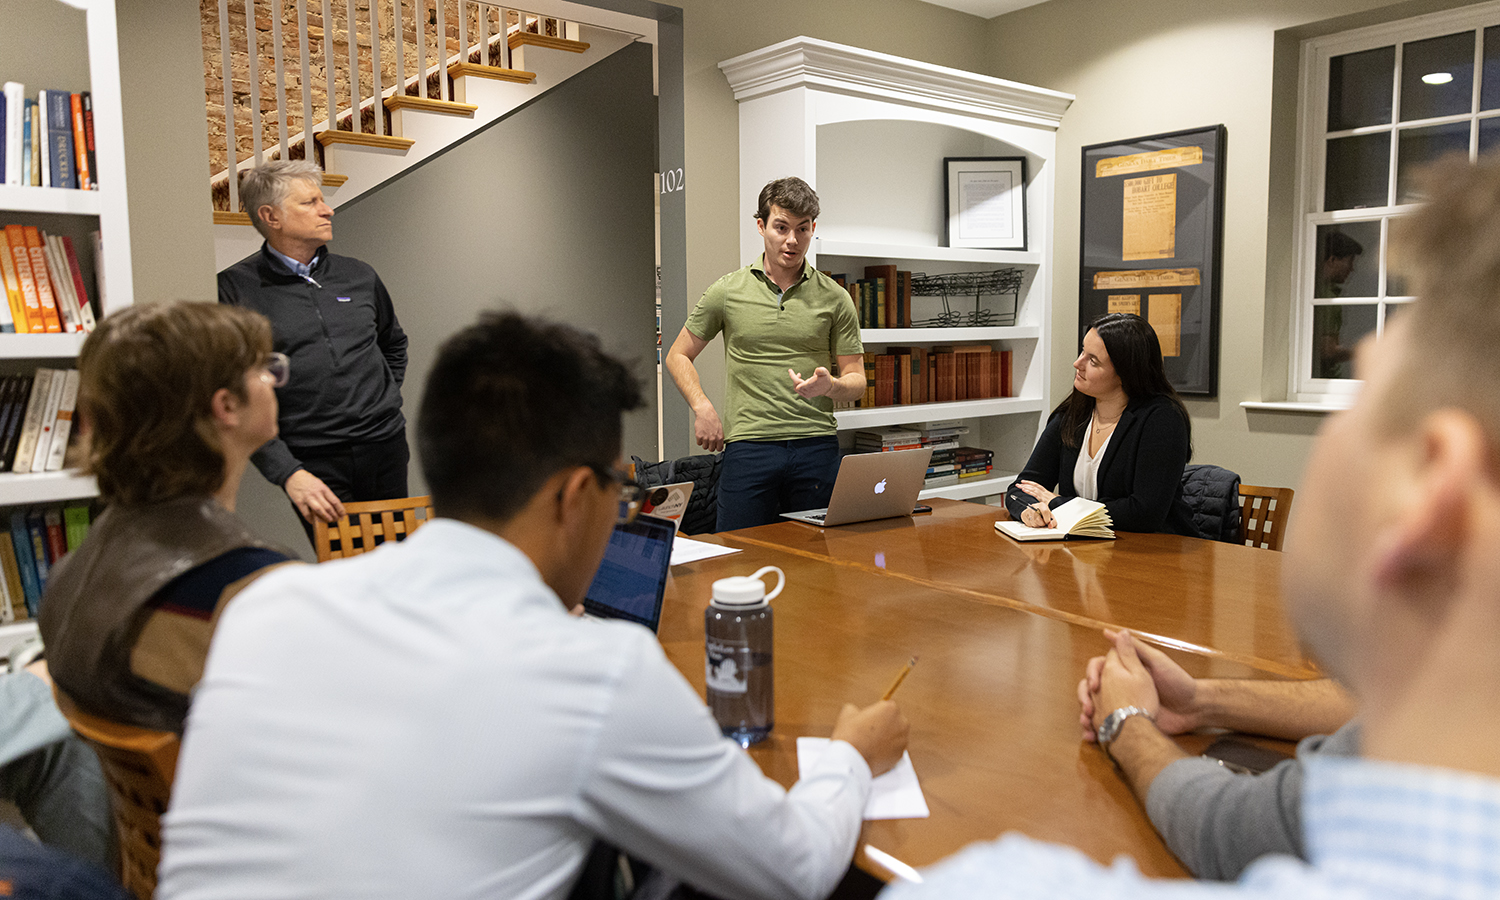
x=672, y=181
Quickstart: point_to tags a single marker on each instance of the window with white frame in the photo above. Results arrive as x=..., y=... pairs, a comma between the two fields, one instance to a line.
x=1376, y=105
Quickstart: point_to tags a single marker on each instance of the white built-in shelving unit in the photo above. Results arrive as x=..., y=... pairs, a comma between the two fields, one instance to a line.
x=869, y=131
x=78, y=214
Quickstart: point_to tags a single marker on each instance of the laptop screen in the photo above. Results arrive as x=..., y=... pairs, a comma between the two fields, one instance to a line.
x=633, y=576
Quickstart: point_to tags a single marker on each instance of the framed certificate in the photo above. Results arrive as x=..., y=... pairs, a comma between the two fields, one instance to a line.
x=1152, y=244
x=985, y=204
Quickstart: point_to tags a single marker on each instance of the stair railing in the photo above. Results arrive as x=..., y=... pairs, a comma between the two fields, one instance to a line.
x=426, y=36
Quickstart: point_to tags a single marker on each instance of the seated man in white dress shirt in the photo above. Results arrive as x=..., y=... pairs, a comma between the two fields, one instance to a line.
x=429, y=721
x=1392, y=578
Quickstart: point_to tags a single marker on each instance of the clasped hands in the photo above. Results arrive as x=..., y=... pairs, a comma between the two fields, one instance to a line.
x=1133, y=673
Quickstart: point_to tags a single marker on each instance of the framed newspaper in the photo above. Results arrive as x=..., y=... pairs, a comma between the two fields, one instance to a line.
x=1152, y=244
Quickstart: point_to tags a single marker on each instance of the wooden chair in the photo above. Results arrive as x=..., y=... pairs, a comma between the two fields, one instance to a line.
x=139, y=765
x=1264, y=512
x=367, y=525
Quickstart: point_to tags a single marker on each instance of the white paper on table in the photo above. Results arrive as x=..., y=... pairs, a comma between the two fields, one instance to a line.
x=686, y=550
x=894, y=795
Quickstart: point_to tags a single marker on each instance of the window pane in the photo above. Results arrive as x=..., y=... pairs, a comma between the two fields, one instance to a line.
x=1424, y=67
x=1336, y=332
x=1489, y=88
x=1358, y=172
x=1489, y=135
x=1348, y=260
x=1420, y=146
x=1360, y=88
x=1394, y=311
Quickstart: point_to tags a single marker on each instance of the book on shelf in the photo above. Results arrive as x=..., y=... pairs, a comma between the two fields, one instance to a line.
x=46, y=296
x=80, y=145
x=62, y=425
x=49, y=421
x=36, y=530
x=80, y=291
x=35, y=142
x=10, y=584
x=28, y=138
x=59, y=170
x=88, y=140
x=57, y=542
x=31, y=422
x=76, y=521
x=1076, y=518
x=15, y=148
x=16, y=390
x=20, y=540
x=15, y=239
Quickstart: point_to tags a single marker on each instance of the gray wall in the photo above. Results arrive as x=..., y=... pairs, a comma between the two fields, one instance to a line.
x=1165, y=65
x=166, y=150
x=550, y=211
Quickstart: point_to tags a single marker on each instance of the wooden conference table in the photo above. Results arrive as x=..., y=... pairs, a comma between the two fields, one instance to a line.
x=1003, y=631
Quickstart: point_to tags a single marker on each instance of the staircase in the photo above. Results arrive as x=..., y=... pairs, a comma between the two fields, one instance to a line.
x=438, y=72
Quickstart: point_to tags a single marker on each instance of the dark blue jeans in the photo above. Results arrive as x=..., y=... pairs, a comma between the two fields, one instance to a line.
x=760, y=480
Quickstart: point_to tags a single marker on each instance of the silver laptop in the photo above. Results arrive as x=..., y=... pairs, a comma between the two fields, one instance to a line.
x=872, y=486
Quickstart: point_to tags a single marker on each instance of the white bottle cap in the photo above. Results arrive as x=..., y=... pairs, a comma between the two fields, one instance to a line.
x=741, y=591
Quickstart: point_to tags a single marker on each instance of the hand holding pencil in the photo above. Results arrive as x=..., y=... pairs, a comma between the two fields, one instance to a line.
x=879, y=731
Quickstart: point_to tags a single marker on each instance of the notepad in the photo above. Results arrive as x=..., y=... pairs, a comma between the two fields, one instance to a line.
x=894, y=795
x=1076, y=518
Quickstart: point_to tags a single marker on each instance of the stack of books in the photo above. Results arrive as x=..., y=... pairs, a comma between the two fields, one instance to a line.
x=49, y=141
x=882, y=297
x=39, y=537
x=950, y=464
x=36, y=420
x=44, y=285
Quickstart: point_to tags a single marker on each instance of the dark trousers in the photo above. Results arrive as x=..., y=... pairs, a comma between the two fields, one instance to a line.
x=357, y=472
x=760, y=480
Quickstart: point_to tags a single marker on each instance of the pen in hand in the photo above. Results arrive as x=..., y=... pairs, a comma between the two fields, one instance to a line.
x=900, y=677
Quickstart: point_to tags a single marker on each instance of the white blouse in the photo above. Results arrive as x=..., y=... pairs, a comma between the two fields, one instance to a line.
x=1086, y=471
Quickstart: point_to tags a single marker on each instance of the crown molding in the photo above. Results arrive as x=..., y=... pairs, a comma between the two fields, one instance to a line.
x=837, y=68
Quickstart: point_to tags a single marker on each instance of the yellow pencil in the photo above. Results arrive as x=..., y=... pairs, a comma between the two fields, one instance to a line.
x=900, y=677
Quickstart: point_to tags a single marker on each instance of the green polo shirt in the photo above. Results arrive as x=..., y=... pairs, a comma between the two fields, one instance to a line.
x=766, y=333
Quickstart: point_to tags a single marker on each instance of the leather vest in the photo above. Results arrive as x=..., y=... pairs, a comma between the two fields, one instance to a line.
x=96, y=597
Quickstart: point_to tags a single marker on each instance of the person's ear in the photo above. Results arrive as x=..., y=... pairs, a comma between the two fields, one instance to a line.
x=574, y=494
x=225, y=406
x=270, y=215
x=1433, y=513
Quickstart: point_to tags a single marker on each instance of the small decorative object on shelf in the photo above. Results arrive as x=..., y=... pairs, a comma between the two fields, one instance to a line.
x=996, y=283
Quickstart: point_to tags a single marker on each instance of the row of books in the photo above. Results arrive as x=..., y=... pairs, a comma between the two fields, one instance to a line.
x=39, y=537
x=903, y=376
x=882, y=297
x=44, y=286
x=36, y=420
x=49, y=141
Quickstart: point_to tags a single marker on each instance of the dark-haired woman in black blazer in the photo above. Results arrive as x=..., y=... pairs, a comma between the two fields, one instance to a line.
x=1122, y=437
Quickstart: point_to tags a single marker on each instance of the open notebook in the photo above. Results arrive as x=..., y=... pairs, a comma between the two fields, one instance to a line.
x=1076, y=518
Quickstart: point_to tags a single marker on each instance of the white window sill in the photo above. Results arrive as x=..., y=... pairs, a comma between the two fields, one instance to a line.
x=1297, y=406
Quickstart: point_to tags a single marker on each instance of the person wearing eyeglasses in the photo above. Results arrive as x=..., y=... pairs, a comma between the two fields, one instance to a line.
x=429, y=721
x=343, y=435
x=173, y=400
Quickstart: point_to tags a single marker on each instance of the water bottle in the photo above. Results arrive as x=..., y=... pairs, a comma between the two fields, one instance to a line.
x=737, y=631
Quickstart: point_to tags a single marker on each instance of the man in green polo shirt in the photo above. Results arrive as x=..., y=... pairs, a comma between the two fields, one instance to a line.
x=786, y=326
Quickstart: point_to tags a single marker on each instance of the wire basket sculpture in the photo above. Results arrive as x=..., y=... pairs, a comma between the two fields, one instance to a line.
x=960, y=287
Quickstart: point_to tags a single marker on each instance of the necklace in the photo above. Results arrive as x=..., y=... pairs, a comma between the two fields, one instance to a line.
x=1102, y=426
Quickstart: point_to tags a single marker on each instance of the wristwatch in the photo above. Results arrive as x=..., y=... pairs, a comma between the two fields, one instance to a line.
x=1114, y=721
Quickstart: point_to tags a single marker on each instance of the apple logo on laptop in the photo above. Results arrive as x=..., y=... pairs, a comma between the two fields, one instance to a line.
x=880, y=486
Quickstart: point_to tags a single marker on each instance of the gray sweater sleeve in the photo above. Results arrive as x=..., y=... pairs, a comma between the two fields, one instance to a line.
x=1218, y=822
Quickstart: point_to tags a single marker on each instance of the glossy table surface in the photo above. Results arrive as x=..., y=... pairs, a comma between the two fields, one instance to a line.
x=1003, y=631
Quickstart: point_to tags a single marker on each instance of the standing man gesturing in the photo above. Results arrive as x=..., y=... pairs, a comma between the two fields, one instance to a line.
x=786, y=326
x=343, y=437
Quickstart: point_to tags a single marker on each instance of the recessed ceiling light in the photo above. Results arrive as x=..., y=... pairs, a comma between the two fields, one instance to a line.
x=1437, y=78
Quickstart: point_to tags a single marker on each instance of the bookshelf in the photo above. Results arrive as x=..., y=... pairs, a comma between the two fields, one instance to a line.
x=869, y=131
x=76, y=29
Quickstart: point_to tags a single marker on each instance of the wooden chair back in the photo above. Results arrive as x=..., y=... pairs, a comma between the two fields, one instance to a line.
x=1264, y=512
x=139, y=765
x=367, y=525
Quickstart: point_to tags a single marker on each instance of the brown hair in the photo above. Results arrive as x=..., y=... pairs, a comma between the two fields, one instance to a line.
x=1450, y=250
x=791, y=194
x=146, y=381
